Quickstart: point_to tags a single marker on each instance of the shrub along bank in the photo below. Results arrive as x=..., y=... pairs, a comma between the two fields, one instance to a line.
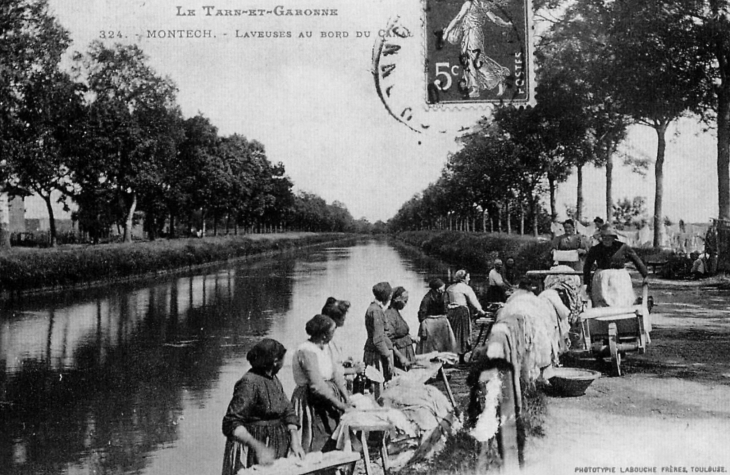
x=24, y=270
x=477, y=252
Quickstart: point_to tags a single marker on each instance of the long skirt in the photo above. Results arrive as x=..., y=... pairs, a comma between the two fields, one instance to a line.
x=460, y=322
x=318, y=419
x=237, y=455
x=496, y=293
x=612, y=288
x=405, y=346
x=435, y=334
x=379, y=362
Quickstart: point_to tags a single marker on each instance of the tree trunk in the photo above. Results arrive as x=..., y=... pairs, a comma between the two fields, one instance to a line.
x=553, y=203
x=129, y=219
x=609, y=187
x=522, y=219
x=661, y=131
x=579, y=197
x=51, y=220
x=4, y=219
x=723, y=151
x=151, y=226
x=171, y=234
x=509, y=218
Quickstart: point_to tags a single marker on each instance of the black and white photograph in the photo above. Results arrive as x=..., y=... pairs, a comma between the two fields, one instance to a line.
x=350, y=237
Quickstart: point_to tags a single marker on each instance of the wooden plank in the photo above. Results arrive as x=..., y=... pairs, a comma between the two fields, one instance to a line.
x=508, y=425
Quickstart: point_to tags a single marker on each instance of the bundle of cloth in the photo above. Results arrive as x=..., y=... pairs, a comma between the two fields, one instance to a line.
x=573, y=297
x=529, y=335
x=530, y=332
x=429, y=413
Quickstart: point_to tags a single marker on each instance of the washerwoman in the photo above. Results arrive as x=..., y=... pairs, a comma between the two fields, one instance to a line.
x=459, y=296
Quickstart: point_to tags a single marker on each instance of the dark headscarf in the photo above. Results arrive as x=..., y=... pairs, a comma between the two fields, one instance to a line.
x=436, y=284
x=264, y=353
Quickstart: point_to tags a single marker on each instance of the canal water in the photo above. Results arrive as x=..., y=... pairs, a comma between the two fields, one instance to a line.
x=135, y=378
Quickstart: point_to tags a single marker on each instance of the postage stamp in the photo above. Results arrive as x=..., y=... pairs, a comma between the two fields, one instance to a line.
x=479, y=51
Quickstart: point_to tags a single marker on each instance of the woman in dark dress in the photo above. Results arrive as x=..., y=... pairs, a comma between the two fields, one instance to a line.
x=260, y=423
x=459, y=296
x=434, y=331
x=398, y=330
x=378, y=351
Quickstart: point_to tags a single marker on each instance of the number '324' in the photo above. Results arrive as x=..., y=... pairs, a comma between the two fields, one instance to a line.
x=110, y=34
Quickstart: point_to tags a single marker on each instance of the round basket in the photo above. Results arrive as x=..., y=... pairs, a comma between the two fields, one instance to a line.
x=572, y=381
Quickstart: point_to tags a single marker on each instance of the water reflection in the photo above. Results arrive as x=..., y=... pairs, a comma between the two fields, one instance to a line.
x=135, y=378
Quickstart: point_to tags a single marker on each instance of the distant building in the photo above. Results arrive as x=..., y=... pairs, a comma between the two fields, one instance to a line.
x=17, y=215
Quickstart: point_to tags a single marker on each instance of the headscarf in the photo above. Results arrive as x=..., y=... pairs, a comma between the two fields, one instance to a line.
x=394, y=301
x=436, y=284
x=460, y=275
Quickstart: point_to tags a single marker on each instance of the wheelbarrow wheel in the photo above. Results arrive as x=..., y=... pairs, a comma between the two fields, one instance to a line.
x=613, y=347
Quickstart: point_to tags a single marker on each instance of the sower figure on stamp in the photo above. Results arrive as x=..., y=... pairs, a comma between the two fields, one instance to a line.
x=467, y=30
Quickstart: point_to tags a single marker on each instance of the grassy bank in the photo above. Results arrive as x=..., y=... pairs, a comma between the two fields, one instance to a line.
x=25, y=269
x=476, y=252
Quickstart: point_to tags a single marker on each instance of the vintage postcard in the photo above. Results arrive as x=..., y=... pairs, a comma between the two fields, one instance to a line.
x=361, y=102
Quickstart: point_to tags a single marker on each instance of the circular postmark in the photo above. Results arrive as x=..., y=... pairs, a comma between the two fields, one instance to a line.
x=473, y=54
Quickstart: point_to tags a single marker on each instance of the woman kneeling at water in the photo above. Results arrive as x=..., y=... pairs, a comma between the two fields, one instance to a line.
x=260, y=423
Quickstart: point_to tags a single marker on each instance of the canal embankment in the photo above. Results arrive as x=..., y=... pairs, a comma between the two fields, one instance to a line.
x=476, y=251
x=31, y=270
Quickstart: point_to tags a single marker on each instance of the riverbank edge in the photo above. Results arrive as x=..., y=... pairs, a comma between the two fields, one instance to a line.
x=476, y=252
x=38, y=271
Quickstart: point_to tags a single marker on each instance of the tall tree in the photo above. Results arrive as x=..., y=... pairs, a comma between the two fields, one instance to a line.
x=52, y=114
x=577, y=45
x=31, y=44
x=707, y=23
x=656, y=70
x=129, y=106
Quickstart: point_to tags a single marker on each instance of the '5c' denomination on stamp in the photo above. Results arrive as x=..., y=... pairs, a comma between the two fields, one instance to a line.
x=479, y=51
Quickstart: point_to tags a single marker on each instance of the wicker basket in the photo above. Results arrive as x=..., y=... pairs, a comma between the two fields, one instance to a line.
x=572, y=381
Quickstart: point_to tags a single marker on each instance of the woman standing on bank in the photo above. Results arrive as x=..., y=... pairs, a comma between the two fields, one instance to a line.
x=399, y=332
x=434, y=331
x=378, y=350
x=611, y=285
x=337, y=311
x=320, y=397
x=260, y=423
x=458, y=297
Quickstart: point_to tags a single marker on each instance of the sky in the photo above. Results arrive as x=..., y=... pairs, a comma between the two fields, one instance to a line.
x=312, y=101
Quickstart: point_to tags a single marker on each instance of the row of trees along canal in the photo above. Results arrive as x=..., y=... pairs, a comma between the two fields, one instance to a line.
x=108, y=135
x=603, y=66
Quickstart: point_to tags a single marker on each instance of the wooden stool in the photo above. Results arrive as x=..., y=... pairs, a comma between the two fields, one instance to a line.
x=382, y=430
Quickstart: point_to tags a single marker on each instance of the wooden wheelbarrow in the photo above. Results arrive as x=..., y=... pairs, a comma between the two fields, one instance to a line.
x=616, y=331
